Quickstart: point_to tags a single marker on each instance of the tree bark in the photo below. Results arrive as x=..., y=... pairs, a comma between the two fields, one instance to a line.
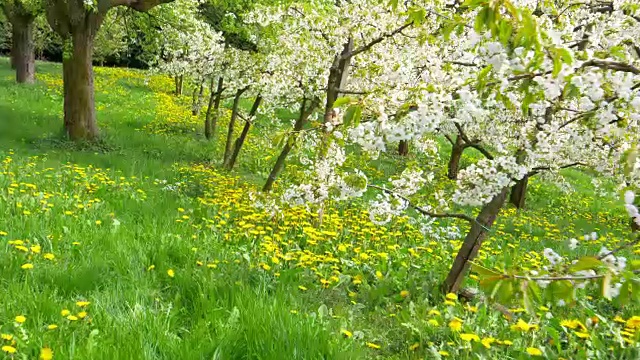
x=12, y=55
x=79, y=102
x=456, y=155
x=473, y=242
x=23, y=53
x=179, y=80
x=197, y=99
x=519, y=193
x=245, y=131
x=300, y=122
x=211, y=120
x=403, y=148
x=232, y=125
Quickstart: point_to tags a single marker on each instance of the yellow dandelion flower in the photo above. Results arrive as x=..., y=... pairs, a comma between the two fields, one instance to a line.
x=9, y=349
x=452, y=297
x=404, y=293
x=46, y=354
x=82, y=303
x=455, y=324
x=52, y=327
x=618, y=319
x=7, y=337
x=20, y=319
x=434, y=312
x=469, y=337
x=82, y=314
x=443, y=353
x=523, y=326
x=346, y=333
x=534, y=351
x=373, y=346
x=633, y=322
x=65, y=312
x=581, y=335
x=27, y=266
x=171, y=273
x=49, y=256
x=433, y=322
x=302, y=288
x=72, y=318
x=486, y=342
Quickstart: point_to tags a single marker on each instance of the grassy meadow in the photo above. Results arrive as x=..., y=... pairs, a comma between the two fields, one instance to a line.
x=142, y=247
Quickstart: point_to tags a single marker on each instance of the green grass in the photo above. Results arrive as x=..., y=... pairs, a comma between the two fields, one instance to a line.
x=115, y=228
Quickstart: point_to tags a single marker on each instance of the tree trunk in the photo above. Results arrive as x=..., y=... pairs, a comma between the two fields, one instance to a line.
x=473, y=242
x=403, y=148
x=454, y=161
x=211, y=121
x=12, y=55
x=197, y=99
x=243, y=136
x=519, y=193
x=79, y=103
x=300, y=122
x=23, y=53
x=232, y=125
x=179, y=84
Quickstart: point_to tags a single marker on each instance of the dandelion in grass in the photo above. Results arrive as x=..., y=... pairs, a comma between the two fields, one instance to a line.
x=27, y=266
x=65, y=312
x=171, y=273
x=534, y=351
x=9, y=349
x=20, y=319
x=373, y=345
x=346, y=333
x=82, y=303
x=46, y=354
x=52, y=327
x=455, y=324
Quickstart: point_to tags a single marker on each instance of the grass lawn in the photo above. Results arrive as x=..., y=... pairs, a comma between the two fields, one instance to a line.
x=141, y=247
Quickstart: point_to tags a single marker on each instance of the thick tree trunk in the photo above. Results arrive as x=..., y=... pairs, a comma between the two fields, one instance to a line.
x=23, y=53
x=473, y=242
x=456, y=155
x=300, y=122
x=79, y=103
x=232, y=125
x=243, y=136
x=403, y=148
x=197, y=99
x=519, y=193
x=211, y=121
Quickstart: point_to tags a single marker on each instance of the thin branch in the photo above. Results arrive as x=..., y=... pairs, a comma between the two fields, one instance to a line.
x=353, y=92
x=621, y=247
x=537, y=170
x=373, y=42
x=421, y=210
x=612, y=65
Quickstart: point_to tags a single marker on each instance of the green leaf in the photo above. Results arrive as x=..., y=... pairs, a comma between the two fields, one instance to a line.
x=586, y=263
x=483, y=271
x=349, y=115
x=481, y=19
x=341, y=101
x=504, y=32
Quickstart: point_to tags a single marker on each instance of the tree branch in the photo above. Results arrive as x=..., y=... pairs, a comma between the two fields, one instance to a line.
x=373, y=42
x=612, y=65
x=421, y=210
x=537, y=170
